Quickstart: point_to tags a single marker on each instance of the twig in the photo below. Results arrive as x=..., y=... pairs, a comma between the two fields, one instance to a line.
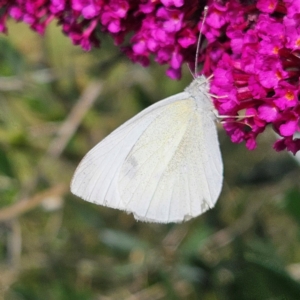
x=154, y=292
x=158, y=291
x=70, y=125
x=14, y=243
x=225, y=236
x=173, y=239
x=25, y=205
x=8, y=84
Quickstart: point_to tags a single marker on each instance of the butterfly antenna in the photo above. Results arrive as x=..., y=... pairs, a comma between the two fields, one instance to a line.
x=199, y=40
x=189, y=67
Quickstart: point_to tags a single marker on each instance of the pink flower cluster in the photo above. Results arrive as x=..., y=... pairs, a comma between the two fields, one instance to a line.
x=254, y=53
x=251, y=47
x=167, y=29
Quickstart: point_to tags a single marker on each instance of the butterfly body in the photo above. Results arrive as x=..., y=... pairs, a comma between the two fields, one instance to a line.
x=163, y=165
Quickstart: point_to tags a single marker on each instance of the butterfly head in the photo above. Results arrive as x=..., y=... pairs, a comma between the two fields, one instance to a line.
x=199, y=90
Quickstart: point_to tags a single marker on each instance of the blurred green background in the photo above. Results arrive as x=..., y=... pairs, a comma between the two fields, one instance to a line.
x=57, y=102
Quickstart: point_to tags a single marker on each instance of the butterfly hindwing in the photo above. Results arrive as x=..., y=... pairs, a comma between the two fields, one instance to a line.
x=96, y=177
x=171, y=174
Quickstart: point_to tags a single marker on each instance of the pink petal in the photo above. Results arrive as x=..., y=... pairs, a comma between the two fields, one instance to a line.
x=288, y=128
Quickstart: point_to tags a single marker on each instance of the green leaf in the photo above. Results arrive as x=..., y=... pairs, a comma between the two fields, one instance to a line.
x=195, y=241
x=261, y=276
x=11, y=60
x=5, y=166
x=292, y=203
x=121, y=241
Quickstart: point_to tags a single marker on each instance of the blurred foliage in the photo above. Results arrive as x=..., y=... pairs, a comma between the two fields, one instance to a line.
x=247, y=247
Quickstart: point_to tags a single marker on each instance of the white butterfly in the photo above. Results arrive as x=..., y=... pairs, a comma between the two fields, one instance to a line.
x=163, y=165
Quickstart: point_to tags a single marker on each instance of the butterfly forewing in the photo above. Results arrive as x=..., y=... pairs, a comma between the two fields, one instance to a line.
x=144, y=171
x=96, y=177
